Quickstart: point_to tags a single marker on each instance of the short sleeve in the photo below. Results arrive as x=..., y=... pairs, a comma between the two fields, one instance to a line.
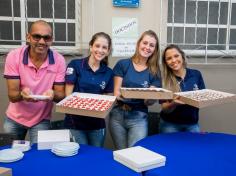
x=201, y=82
x=11, y=70
x=155, y=81
x=71, y=75
x=110, y=86
x=121, y=67
x=60, y=77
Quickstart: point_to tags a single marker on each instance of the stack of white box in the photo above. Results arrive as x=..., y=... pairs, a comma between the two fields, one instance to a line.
x=139, y=159
x=47, y=138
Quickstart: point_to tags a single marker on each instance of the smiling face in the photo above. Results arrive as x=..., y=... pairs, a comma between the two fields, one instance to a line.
x=174, y=60
x=147, y=46
x=100, y=48
x=40, y=38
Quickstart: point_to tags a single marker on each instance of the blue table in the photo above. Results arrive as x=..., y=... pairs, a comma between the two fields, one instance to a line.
x=193, y=154
x=91, y=161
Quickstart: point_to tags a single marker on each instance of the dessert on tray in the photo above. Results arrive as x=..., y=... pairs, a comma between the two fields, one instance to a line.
x=146, y=93
x=86, y=104
x=205, y=97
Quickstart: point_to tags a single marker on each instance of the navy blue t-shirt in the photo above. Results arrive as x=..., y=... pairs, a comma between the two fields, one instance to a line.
x=186, y=114
x=134, y=79
x=85, y=80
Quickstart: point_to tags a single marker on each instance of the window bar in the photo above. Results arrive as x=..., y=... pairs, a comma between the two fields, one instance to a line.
x=172, y=27
x=196, y=14
x=53, y=20
x=228, y=25
x=66, y=20
x=185, y=4
x=206, y=49
x=77, y=25
x=218, y=28
x=40, y=9
x=13, y=24
x=24, y=20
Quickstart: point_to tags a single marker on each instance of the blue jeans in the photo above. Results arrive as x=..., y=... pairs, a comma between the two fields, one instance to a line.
x=167, y=127
x=127, y=127
x=20, y=131
x=89, y=137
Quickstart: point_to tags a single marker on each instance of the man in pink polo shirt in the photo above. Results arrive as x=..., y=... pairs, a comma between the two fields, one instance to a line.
x=33, y=70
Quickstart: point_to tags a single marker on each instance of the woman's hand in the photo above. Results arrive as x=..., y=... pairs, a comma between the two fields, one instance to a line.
x=149, y=102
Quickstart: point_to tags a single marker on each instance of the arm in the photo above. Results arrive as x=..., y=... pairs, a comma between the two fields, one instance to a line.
x=14, y=92
x=117, y=85
x=59, y=92
x=69, y=89
x=170, y=106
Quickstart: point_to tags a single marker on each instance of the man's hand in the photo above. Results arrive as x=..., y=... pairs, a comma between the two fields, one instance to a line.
x=26, y=95
x=50, y=94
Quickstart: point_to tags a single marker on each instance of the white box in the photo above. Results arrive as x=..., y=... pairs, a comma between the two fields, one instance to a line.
x=47, y=138
x=91, y=108
x=139, y=158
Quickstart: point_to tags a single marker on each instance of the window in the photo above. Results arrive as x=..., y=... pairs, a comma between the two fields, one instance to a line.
x=203, y=26
x=17, y=15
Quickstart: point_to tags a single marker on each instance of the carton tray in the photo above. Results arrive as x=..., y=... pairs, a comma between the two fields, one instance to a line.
x=5, y=171
x=146, y=93
x=205, y=97
x=86, y=104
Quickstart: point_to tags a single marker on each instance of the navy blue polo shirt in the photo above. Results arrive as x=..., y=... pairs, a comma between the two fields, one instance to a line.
x=134, y=79
x=186, y=114
x=85, y=80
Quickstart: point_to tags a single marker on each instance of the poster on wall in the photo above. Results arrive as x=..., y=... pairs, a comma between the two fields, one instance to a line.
x=124, y=36
x=126, y=3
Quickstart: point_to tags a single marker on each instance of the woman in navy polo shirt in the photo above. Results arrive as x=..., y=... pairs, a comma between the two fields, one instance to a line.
x=176, y=116
x=90, y=75
x=128, y=120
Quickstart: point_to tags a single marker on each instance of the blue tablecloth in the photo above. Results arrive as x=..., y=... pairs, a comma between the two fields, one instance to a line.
x=91, y=161
x=193, y=154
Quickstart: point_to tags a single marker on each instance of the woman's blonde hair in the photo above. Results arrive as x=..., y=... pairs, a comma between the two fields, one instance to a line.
x=153, y=60
x=169, y=80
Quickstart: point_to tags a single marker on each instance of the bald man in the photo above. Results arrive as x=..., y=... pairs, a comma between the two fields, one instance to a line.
x=35, y=78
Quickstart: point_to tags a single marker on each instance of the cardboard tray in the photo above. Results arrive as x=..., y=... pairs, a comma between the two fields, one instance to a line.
x=146, y=93
x=5, y=171
x=86, y=111
x=139, y=158
x=205, y=97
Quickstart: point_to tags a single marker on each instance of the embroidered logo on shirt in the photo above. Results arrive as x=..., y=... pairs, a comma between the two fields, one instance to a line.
x=195, y=87
x=103, y=85
x=145, y=84
x=69, y=71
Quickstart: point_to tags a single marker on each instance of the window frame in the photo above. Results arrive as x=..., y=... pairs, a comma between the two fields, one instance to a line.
x=205, y=52
x=23, y=19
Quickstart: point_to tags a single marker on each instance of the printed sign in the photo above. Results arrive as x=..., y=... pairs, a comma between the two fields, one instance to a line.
x=124, y=36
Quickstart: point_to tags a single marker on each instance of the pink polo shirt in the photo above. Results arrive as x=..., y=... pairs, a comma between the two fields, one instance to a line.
x=51, y=72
